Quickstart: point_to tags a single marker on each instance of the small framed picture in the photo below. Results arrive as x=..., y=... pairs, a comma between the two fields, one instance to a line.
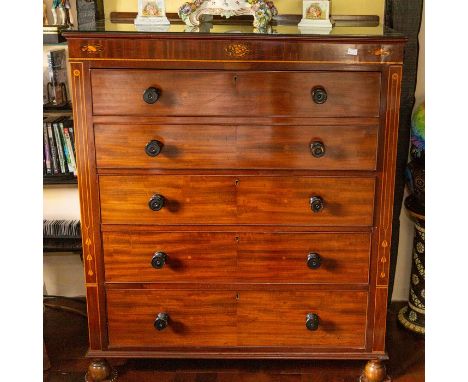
x=151, y=12
x=316, y=14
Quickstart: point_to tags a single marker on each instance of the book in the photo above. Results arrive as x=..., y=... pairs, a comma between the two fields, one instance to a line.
x=47, y=154
x=60, y=144
x=71, y=169
x=52, y=146
x=71, y=130
x=70, y=149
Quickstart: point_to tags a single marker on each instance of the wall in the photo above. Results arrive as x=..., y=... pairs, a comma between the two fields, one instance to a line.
x=62, y=272
x=343, y=7
x=405, y=247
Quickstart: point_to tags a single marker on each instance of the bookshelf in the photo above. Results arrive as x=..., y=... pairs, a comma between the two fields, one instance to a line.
x=59, y=166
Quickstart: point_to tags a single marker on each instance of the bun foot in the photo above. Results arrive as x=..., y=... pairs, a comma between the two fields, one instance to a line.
x=374, y=371
x=99, y=370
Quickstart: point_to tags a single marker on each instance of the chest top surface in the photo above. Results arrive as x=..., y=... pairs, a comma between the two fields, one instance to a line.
x=236, y=42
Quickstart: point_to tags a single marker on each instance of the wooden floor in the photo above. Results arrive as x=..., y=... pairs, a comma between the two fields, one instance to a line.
x=65, y=336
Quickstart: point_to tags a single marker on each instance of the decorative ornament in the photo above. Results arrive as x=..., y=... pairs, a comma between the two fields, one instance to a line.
x=151, y=15
x=237, y=50
x=64, y=7
x=45, y=20
x=89, y=12
x=415, y=171
x=263, y=11
x=418, y=132
x=412, y=316
x=316, y=16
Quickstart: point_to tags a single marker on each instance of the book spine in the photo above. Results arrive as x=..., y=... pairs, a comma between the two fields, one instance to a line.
x=71, y=130
x=47, y=151
x=70, y=149
x=65, y=148
x=59, y=149
x=53, y=149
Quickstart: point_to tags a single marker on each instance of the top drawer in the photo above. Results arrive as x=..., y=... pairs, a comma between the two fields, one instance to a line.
x=222, y=93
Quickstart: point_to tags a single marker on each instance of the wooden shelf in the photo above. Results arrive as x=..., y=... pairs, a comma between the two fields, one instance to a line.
x=62, y=43
x=62, y=244
x=66, y=108
x=52, y=35
x=59, y=179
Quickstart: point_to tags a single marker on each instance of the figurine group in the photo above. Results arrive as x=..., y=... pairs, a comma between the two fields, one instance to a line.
x=64, y=8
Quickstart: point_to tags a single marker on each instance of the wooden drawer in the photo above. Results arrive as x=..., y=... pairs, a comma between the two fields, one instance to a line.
x=199, y=200
x=191, y=256
x=237, y=257
x=277, y=318
x=283, y=257
x=216, y=93
x=196, y=318
x=350, y=147
x=236, y=318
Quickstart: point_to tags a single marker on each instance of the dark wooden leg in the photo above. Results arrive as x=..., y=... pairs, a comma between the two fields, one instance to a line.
x=375, y=371
x=99, y=370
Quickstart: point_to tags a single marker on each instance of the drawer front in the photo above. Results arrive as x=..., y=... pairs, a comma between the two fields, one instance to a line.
x=236, y=318
x=190, y=256
x=278, y=318
x=236, y=147
x=196, y=318
x=216, y=93
x=199, y=200
x=237, y=257
x=304, y=257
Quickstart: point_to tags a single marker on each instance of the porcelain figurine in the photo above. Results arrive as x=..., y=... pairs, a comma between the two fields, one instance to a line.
x=66, y=17
x=45, y=20
x=151, y=13
x=262, y=11
x=316, y=14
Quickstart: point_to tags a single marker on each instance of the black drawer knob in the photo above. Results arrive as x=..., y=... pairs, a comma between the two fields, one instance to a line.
x=153, y=148
x=161, y=321
x=158, y=260
x=312, y=321
x=151, y=95
x=319, y=95
x=317, y=149
x=156, y=202
x=314, y=260
x=316, y=204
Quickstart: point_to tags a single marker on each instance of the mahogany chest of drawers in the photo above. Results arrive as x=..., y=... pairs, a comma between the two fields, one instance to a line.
x=236, y=192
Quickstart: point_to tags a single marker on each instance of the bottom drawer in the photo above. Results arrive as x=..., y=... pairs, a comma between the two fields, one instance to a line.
x=230, y=318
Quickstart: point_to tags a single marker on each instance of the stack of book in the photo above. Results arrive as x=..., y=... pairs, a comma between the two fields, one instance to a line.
x=59, y=147
x=61, y=236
